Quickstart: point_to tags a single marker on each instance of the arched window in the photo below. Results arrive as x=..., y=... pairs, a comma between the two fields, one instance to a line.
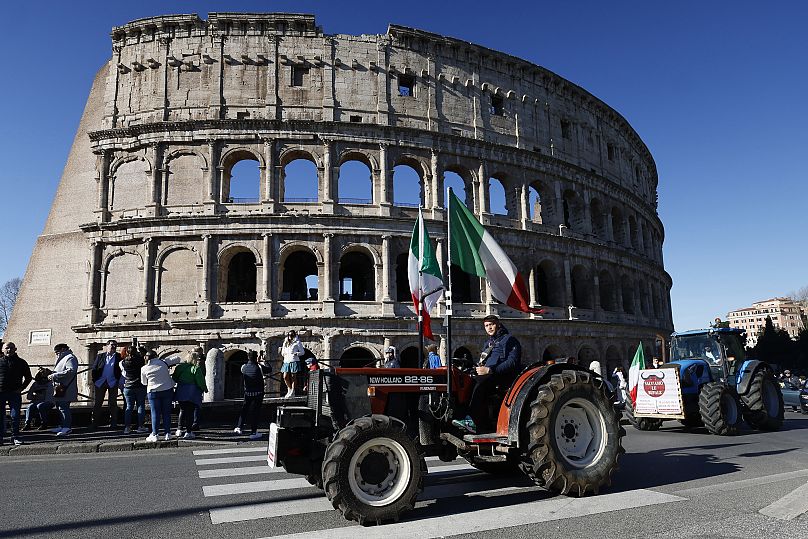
x=409, y=358
x=549, y=285
x=299, y=182
x=233, y=380
x=599, y=227
x=633, y=239
x=458, y=185
x=130, y=186
x=300, y=281
x=552, y=353
x=465, y=287
x=573, y=211
x=355, y=185
x=642, y=294
x=617, y=227
x=587, y=355
x=657, y=302
x=403, y=293
x=241, y=178
x=238, y=276
x=539, y=205
x=607, y=292
x=612, y=360
x=407, y=188
x=357, y=357
x=497, y=202
x=122, y=271
x=628, y=295
x=581, y=288
x=185, y=181
x=356, y=277
x=178, y=274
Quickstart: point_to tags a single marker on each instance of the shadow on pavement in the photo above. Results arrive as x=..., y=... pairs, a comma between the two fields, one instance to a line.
x=667, y=466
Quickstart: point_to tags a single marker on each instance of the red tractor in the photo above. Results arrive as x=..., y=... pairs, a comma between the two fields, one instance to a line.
x=364, y=433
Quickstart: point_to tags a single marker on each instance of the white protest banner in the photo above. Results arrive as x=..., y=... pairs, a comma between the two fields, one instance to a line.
x=659, y=394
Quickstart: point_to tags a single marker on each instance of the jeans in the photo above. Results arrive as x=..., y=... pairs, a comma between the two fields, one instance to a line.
x=14, y=400
x=134, y=396
x=249, y=412
x=185, y=421
x=41, y=408
x=67, y=417
x=160, y=402
x=112, y=399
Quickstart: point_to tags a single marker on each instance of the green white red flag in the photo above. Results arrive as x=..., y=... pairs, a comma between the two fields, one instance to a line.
x=426, y=281
x=637, y=364
x=476, y=252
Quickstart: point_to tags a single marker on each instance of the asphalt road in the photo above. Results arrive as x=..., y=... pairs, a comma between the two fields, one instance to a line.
x=672, y=484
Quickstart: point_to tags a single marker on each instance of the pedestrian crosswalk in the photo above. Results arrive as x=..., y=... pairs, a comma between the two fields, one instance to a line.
x=285, y=494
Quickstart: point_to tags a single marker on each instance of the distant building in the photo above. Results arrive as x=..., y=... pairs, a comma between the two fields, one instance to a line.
x=784, y=312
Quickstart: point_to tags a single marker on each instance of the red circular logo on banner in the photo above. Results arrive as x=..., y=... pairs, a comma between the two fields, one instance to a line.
x=654, y=386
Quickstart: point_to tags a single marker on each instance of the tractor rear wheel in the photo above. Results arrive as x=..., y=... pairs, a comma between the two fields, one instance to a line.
x=764, y=402
x=719, y=409
x=373, y=471
x=641, y=423
x=573, y=435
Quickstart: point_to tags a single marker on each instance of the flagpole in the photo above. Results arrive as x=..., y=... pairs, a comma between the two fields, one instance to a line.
x=449, y=297
x=420, y=288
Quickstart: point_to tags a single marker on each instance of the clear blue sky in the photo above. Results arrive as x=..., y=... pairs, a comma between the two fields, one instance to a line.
x=717, y=90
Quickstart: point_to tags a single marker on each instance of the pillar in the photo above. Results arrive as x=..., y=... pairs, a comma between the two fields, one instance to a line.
x=269, y=191
x=266, y=280
x=482, y=191
x=146, y=288
x=214, y=375
x=327, y=292
x=327, y=174
x=385, y=191
x=157, y=173
x=210, y=180
x=103, y=178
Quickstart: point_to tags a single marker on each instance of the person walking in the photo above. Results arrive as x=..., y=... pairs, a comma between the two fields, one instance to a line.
x=134, y=392
x=432, y=359
x=106, y=373
x=65, y=389
x=15, y=375
x=621, y=384
x=253, y=374
x=190, y=378
x=160, y=392
x=291, y=351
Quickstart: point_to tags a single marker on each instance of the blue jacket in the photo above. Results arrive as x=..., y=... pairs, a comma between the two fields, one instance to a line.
x=505, y=358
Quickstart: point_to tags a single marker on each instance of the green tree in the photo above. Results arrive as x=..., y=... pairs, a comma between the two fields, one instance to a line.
x=775, y=346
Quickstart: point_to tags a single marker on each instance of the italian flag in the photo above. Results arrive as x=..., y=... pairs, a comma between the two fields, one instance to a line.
x=426, y=282
x=637, y=364
x=476, y=252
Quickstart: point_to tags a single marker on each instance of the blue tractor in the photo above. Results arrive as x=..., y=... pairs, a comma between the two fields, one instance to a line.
x=720, y=387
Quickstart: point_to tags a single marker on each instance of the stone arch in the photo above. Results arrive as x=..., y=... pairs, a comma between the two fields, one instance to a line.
x=573, y=210
x=409, y=357
x=299, y=270
x=358, y=355
x=122, y=268
x=598, y=216
x=498, y=196
x=459, y=177
x=582, y=287
x=539, y=202
x=627, y=294
x=405, y=176
x=357, y=275
x=549, y=283
x=586, y=355
x=238, y=273
x=178, y=273
x=233, y=381
x=350, y=181
x=301, y=167
x=642, y=295
x=130, y=183
x=608, y=293
x=402, y=278
x=465, y=287
x=361, y=155
x=613, y=359
x=184, y=177
x=633, y=240
x=249, y=188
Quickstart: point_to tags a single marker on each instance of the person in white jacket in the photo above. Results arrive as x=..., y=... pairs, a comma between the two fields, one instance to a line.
x=159, y=390
x=291, y=350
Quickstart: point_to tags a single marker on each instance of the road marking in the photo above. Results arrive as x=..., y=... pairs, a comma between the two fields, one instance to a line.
x=789, y=506
x=742, y=483
x=557, y=508
x=201, y=452
x=230, y=460
x=232, y=472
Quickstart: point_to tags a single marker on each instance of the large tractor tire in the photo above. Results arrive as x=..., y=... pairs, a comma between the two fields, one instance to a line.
x=373, y=471
x=641, y=423
x=719, y=409
x=764, y=402
x=573, y=435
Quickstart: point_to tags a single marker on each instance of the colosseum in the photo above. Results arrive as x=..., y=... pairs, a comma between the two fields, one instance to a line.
x=240, y=175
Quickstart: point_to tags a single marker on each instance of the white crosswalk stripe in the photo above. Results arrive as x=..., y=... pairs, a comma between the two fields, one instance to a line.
x=445, y=480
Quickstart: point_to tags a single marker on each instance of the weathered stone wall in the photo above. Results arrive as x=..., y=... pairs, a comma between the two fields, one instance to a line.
x=151, y=243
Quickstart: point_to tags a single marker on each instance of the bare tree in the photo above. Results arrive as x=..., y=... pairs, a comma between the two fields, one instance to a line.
x=800, y=295
x=8, y=297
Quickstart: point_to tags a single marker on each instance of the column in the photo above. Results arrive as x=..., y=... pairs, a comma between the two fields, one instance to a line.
x=585, y=197
x=328, y=353
x=326, y=292
x=154, y=181
x=559, y=204
x=568, y=283
x=385, y=202
x=269, y=191
x=92, y=281
x=482, y=191
x=327, y=178
x=524, y=202
x=203, y=311
x=102, y=166
x=146, y=288
x=437, y=192
x=266, y=281
x=210, y=180
x=387, y=266
x=596, y=306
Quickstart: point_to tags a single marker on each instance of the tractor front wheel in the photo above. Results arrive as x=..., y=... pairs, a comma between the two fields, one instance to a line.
x=641, y=423
x=373, y=471
x=764, y=402
x=719, y=409
x=573, y=435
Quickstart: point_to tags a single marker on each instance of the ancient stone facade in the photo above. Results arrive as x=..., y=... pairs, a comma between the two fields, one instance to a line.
x=146, y=240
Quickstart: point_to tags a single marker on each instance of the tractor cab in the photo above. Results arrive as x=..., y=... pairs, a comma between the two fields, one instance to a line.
x=721, y=349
